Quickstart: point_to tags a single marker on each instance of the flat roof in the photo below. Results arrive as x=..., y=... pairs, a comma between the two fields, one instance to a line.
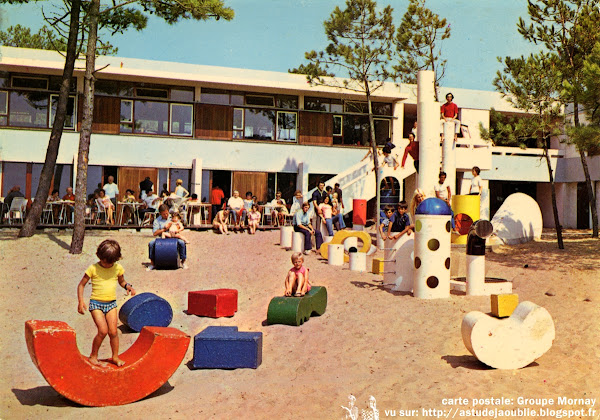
x=31, y=60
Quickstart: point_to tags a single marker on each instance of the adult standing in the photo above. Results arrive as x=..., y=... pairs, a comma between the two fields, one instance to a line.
x=449, y=112
x=162, y=224
x=476, y=182
x=413, y=150
x=216, y=200
x=111, y=190
x=302, y=225
x=180, y=191
x=145, y=187
x=317, y=198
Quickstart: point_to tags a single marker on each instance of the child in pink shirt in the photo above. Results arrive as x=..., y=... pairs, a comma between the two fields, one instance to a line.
x=296, y=282
x=326, y=214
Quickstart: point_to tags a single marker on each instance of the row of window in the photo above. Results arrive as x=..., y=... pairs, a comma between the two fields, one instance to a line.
x=163, y=110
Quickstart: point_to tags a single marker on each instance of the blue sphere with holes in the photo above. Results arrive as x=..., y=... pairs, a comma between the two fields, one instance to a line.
x=434, y=206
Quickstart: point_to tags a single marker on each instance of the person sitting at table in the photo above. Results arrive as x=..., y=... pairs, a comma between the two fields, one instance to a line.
x=109, y=207
x=14, y=192
x=236, y=205
x=69, y=208
x=128, y=210
x=54, y=196
x=150, y=204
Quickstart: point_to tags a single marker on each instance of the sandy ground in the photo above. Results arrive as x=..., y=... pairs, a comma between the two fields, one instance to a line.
x=407, y=353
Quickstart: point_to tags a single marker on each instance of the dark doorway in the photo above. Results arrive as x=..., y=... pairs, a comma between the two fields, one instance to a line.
x=223, y=180
x=583, y=207
x=499, y=190
x=110, y=171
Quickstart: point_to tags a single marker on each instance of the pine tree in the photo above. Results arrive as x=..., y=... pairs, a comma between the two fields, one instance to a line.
x=360, y=47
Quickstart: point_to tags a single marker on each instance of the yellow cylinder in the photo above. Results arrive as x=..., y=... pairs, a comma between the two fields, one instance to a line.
x=466, y=212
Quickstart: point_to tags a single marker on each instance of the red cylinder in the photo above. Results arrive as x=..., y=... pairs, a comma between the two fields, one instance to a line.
x=359, y=211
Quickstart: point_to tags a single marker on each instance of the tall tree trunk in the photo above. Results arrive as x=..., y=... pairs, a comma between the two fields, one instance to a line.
x=86, y=130
x=41, y=195
x=588, y=179
x=554, y=206
x=375, y=158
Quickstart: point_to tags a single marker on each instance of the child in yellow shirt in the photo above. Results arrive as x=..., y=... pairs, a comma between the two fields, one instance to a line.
x=105, y=275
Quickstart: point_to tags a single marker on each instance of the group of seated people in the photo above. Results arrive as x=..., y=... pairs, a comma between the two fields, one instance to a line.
x=247, y=213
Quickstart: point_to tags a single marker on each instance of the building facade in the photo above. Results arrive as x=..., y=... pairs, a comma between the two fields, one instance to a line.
x=247, y=130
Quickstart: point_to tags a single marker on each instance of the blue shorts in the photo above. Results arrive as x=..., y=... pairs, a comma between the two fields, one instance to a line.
x=105, y=307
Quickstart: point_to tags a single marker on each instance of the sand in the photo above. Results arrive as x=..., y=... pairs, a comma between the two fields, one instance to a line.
x=405, y=352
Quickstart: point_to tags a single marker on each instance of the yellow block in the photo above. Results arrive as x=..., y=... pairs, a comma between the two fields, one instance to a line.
x=465, y=204
x=504, y=305
x=341, y=236
x=377, y=266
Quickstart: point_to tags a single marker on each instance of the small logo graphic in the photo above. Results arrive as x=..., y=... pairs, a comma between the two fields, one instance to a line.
x=352, y=410
x=372, y=413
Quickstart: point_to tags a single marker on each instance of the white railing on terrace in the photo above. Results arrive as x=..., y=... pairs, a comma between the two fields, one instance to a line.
x=534, y=152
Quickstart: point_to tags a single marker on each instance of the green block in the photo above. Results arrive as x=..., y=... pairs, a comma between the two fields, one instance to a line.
x=297, y=310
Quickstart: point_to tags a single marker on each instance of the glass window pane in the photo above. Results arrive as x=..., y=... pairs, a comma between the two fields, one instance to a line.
x=151, y=117
x=4, y=79
x=316, y=104
x=238, y=119
x=152, y=93
x=28, y=109
x=356, y=130
x=288, y=102
x=382, y=131
x=3, y=120
x=260, y=100
x=181, y=119
x=70, y=118
x=3, y=102
x=337, y=125
x=214, y=96
x=239, y=134
x=56, y=81
x=286, y=126
x=126, y=89
x=126, y=111
x=380, y=108
x=29, y=82
x=183, y=95
x=126, y=128
x=358, y=107
x=259, y=124
x=106, y=87
x=237, y=98
x=337, y=106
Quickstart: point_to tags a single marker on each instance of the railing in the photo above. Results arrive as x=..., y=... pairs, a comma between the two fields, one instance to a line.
x=535, y=152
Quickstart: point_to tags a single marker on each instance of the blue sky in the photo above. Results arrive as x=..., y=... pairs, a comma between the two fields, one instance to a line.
x=274, y=34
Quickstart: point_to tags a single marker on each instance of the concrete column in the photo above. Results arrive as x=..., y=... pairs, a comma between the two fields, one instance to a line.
x=302, y=180
x=398, y=124
x=196, y=177
x=449, y=155
x=74, y=173
x=484, y=205
x=570, y=206
x=428, y=126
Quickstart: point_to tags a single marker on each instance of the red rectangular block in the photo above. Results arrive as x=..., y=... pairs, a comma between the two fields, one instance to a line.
x=213, y=303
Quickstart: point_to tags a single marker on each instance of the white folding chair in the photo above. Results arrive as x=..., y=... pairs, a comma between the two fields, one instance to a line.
x=101, y=210
x=48, y=214
x=17, y=209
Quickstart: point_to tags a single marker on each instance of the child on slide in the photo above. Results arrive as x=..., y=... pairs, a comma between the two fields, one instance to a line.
x=104, y=275
x=296, y=282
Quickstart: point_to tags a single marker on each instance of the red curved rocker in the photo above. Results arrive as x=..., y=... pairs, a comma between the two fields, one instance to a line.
x=149, y=363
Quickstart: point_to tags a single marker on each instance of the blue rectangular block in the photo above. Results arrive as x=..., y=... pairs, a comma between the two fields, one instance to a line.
x=227, y=348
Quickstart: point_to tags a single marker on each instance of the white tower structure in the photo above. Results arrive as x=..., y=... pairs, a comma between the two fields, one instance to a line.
x=428, y=132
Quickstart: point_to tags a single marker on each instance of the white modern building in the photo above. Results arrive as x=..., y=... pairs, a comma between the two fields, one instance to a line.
x=253, y=131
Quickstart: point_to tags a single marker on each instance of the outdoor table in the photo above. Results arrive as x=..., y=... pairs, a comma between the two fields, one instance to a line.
x=134, y=205
x=203, y=209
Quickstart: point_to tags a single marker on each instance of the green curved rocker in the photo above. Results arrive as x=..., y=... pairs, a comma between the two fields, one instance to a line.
x=296, y=311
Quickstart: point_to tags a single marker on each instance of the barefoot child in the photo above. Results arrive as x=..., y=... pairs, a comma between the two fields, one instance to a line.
x=105, y=275
x=253, y=219
x=175, y=228
x=296, y=282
